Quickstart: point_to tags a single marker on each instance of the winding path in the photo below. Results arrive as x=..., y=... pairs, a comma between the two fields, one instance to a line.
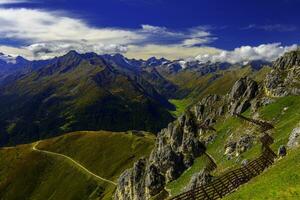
x=34, y=148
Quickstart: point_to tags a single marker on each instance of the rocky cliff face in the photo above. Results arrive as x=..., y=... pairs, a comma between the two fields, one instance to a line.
x=178, y=145
x=242, y=94
x=284, y=79
x=176, y=149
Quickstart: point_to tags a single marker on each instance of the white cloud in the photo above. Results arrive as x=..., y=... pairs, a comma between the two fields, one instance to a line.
x=48, y=50
x=191, y=37
x=168, y=51
x=49, y=34
x=272, y=27
x=196, y=41
x=161, y=31
x=3, y=2
x=39, y=25
x=267, y=52
x=7, y=58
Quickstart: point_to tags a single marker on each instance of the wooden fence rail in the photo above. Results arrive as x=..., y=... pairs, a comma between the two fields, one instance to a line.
x=231, y=180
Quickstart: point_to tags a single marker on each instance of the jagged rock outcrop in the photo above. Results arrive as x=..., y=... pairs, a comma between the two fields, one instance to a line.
x=178, y=145
x=155, y=181
x=209, y=108
x=242, y=92
x=241, y=97
x=284, y=79
x=244, y=143
x=236, y=147
x=175, y=150
x=199, y=179
x=132, y=182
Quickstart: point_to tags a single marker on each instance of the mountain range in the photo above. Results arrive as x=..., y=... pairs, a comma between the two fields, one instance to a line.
x=195, y=104
x=44, y=98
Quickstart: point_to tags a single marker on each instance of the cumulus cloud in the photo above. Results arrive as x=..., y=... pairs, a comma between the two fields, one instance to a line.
x=47, y=34
x=38, y=25
x=267, y=52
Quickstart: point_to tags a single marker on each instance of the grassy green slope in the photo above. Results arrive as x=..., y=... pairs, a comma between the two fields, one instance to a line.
x=34, y=175
x=177, y=186
x=284, y=122
x=106, y=154
x=281, y=181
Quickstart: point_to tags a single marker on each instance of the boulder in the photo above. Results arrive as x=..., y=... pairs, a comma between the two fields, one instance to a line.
x=239, y=146
x=294, y=139
x=241, y=94
x=282, y=151
x=244, y=143
x=245, y=162
x=230, y=148
x=199, y=179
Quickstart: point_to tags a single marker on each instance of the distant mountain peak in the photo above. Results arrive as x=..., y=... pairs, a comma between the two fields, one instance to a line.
x=72, y=53
x=153, y=61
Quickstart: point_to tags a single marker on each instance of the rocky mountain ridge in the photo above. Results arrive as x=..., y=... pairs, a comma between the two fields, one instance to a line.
x=181, y=142
x=284, y=78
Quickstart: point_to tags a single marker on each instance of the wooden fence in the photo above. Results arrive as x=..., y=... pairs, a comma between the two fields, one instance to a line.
x=231, y=180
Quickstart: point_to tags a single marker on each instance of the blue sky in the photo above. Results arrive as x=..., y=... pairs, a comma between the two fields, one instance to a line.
x=142, y=28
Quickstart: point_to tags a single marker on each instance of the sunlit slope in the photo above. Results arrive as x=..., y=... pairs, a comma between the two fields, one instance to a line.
x=35, y=175
x=281, y=181
x=283, y=113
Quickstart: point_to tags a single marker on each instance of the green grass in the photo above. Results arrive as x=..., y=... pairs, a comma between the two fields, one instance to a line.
x=180, y=105
x=177, y=186
x=281, y=181
x=30, y=175
x=38, y=176
x=105, y=153
x=284, y=122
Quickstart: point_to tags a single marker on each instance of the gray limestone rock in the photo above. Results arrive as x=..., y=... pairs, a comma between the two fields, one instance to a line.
x=294, y=139
x=198, y=180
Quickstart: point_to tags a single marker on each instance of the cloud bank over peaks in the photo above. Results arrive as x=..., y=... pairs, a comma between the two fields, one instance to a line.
x=47, y=34
x=266, y=52
x=7, y=58
x=52, y=49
